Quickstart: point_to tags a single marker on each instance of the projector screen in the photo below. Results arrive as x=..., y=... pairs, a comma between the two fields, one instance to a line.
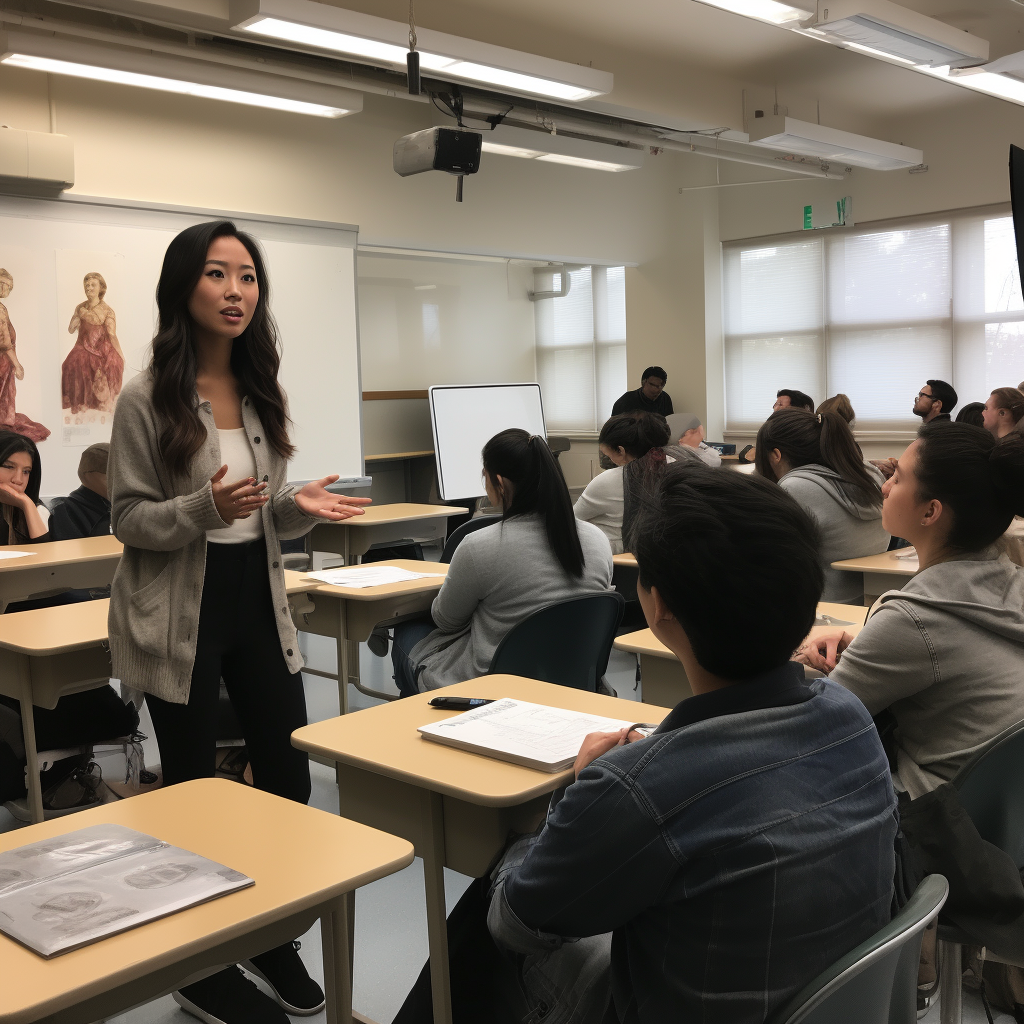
x=465, y=417
x=51, y=250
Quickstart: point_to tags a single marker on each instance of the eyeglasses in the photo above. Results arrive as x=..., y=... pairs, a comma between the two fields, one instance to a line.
x=921, y=394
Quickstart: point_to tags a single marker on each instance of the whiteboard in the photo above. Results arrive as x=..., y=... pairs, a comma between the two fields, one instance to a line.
x=46, y=245
x=465, y=417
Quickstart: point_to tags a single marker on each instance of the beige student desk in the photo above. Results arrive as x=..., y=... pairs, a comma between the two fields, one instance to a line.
x=663, y=678
x=882, y=572
x=57, y=565
x=456, y=807
x=49, y=652
x=348, y=614
x=305, y=863
x=380, y=524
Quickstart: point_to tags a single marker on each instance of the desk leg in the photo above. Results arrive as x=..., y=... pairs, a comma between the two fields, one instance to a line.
x=336, y=928
x=343, y=651
x=437, y=913
x=28, y=730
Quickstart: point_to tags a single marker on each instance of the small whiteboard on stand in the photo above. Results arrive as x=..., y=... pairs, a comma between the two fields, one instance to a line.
x=465, y=417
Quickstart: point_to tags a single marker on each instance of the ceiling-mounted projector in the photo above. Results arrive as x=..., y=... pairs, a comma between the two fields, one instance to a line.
x=453, y=150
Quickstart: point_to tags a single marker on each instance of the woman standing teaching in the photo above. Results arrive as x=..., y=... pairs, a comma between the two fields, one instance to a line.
x=197, y=477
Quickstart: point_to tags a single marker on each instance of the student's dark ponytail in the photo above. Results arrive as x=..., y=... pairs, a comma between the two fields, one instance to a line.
x=822, y=439
x=636, y=433
x=978, y=479
x=537, y=486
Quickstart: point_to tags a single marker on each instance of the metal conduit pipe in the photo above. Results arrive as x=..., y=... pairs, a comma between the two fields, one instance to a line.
x=480, y=104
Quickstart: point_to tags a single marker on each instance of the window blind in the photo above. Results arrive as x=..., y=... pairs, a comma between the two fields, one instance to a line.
x=581, y=346
x=873, y=313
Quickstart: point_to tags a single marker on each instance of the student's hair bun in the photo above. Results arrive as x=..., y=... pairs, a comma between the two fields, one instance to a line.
x=1006, y=462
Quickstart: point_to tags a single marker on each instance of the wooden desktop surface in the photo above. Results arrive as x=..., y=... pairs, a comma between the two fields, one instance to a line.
x=399, y=512
x=71, y=627
x=62, y=552
x=644, y=642
x=300, y=858
x=384, y=740
x=437, y=570
x=624, y=559
x=885, y=562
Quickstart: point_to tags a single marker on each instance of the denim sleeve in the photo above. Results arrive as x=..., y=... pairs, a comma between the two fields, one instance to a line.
x=600, y=860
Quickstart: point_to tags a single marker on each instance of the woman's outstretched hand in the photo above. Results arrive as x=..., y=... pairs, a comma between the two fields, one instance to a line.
x=237, y=500
x=315, y=500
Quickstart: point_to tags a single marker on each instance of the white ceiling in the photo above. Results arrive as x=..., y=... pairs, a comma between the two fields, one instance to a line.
x=653, y=37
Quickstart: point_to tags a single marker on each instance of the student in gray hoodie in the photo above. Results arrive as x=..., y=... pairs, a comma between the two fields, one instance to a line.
x=816, y=459
x=945, y=655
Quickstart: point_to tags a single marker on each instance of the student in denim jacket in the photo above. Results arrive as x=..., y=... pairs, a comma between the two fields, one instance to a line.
x=748, y=843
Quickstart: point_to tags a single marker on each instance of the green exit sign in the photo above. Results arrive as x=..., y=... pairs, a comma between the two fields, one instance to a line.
x=808, y=218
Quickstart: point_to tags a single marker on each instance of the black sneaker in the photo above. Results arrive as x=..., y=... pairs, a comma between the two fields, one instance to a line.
x=229, y=997
x=286, y=975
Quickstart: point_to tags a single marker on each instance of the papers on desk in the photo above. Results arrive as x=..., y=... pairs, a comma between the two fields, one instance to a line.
x=905, y=553
x=368, y=576
x=59, y=894
x=16, y=554
x=531, y=735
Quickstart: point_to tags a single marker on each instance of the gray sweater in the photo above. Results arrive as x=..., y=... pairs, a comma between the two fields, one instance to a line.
x=162, y=522
x=497, y=578
x=849, y=527
x=946, y=656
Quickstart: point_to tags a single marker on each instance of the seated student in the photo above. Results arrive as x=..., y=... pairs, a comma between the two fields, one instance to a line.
x=537, y=555
x=692, y=436
x=748, y=843
x=623, y=439
x=816, y=459
x=788, y=398
x=945, y=654
x=1003, y=413
x=85, y=512
x=970, y=413
x=25, y=519
x=839, y=404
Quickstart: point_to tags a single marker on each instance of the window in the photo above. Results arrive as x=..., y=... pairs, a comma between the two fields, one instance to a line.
x=581, y=346
x=873, y=313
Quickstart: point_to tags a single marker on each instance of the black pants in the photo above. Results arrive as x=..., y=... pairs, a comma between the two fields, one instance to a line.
x=238, y=641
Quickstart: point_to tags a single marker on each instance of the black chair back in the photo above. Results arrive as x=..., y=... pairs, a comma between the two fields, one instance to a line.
x=464, y=531
x=567, y=642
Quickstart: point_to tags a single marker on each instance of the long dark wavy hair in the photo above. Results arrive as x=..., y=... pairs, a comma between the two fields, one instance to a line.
x=255, y=355
x=537, y=486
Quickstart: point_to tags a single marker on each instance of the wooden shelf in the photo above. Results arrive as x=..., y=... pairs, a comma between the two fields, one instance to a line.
x=393, y=456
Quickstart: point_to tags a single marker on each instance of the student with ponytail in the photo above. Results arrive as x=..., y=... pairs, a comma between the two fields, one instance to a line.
x=1003, y=413
x=945, y=655
x=816, y=459
x=624, y=439
x=537, y=555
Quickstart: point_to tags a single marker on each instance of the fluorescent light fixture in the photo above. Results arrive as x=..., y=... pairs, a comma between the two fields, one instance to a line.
x=365, y=37
x=807, y=139
x=872, y=52
x=895, y=31
x=557, y=149
x=764, y=10
x=1003, y=86
x=148, y=70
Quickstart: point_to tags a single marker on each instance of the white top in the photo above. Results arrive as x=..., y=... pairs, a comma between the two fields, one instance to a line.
x=601, y=504
x=236, y=453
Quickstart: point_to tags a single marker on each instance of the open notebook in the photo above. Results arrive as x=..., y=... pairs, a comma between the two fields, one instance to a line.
x=532, y=735
x=62, y=893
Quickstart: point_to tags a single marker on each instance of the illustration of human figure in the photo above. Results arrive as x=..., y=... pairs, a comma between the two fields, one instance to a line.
x=12, y=370
x=97, y=358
